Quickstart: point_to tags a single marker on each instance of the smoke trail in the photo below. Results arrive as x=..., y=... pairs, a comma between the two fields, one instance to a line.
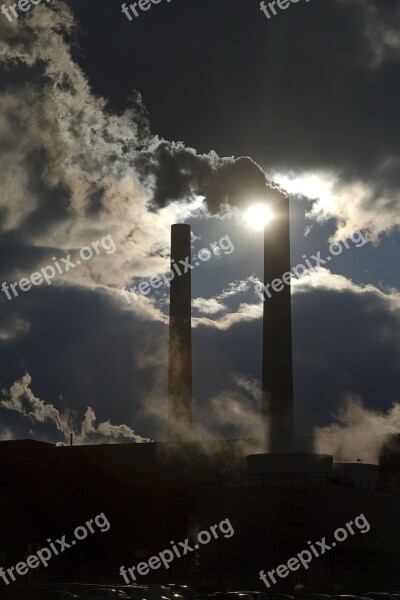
x=106, y=429
x=20, y=398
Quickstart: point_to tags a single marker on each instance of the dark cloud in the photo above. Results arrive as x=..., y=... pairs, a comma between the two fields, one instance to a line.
x=315, y=88
x=345, y=341
x=80, y=351
x=346, y=362
x=179, y=173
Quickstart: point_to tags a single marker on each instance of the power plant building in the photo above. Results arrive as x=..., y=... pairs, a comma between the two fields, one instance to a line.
x=155, y=493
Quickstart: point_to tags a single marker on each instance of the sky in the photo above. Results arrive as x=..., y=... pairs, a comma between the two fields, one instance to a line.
x=113, y=129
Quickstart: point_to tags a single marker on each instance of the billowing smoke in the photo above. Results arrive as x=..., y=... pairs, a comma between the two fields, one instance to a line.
x=20, y=398
x=179, y=173
x=106, y=429
x=89, y=172
x=357, y=432
x=97, y=157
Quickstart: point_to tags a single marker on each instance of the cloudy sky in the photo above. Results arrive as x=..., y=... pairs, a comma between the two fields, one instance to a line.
x=112, y=130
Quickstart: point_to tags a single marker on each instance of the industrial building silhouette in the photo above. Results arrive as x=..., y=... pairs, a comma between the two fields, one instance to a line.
x=153, y=493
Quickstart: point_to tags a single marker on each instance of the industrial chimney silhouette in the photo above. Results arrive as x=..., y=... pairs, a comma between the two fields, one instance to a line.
x=179, y=420
x=277, y=373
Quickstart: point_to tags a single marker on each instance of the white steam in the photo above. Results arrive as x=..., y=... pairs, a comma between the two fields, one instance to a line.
x=20, y=398
x=357, y=432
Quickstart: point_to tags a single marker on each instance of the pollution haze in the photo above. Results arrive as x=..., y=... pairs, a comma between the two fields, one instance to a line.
x=194, y=112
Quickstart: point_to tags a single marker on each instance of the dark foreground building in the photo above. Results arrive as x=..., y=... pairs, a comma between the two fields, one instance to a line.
x=152, y=496
x=155, y=495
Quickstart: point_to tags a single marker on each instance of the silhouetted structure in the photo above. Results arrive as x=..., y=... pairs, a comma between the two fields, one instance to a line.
x=154, y=493
x=389, y=461
x=180, y=338
x=277, y=372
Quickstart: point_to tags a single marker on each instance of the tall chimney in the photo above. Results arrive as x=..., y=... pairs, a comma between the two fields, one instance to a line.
x=277, y=374
x=179, y=421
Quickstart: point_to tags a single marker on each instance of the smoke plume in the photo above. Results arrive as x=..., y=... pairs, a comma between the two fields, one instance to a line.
x=179, y=173
x=89, y=171
x=357, y=432
x=20, y=398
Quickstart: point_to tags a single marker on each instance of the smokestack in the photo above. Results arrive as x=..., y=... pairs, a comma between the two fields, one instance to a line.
x=277, y=373
x=179, y=422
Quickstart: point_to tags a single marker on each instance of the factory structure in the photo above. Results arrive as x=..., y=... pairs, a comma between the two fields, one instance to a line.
x=278, y=495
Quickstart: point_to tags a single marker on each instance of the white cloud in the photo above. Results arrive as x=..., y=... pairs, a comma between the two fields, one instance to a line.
x=323, y=279
x=245, y=312
x=88, y=166
x=357, y=205
x=208, y=306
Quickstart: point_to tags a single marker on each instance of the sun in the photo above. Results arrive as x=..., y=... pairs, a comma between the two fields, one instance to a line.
x=258, y=216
